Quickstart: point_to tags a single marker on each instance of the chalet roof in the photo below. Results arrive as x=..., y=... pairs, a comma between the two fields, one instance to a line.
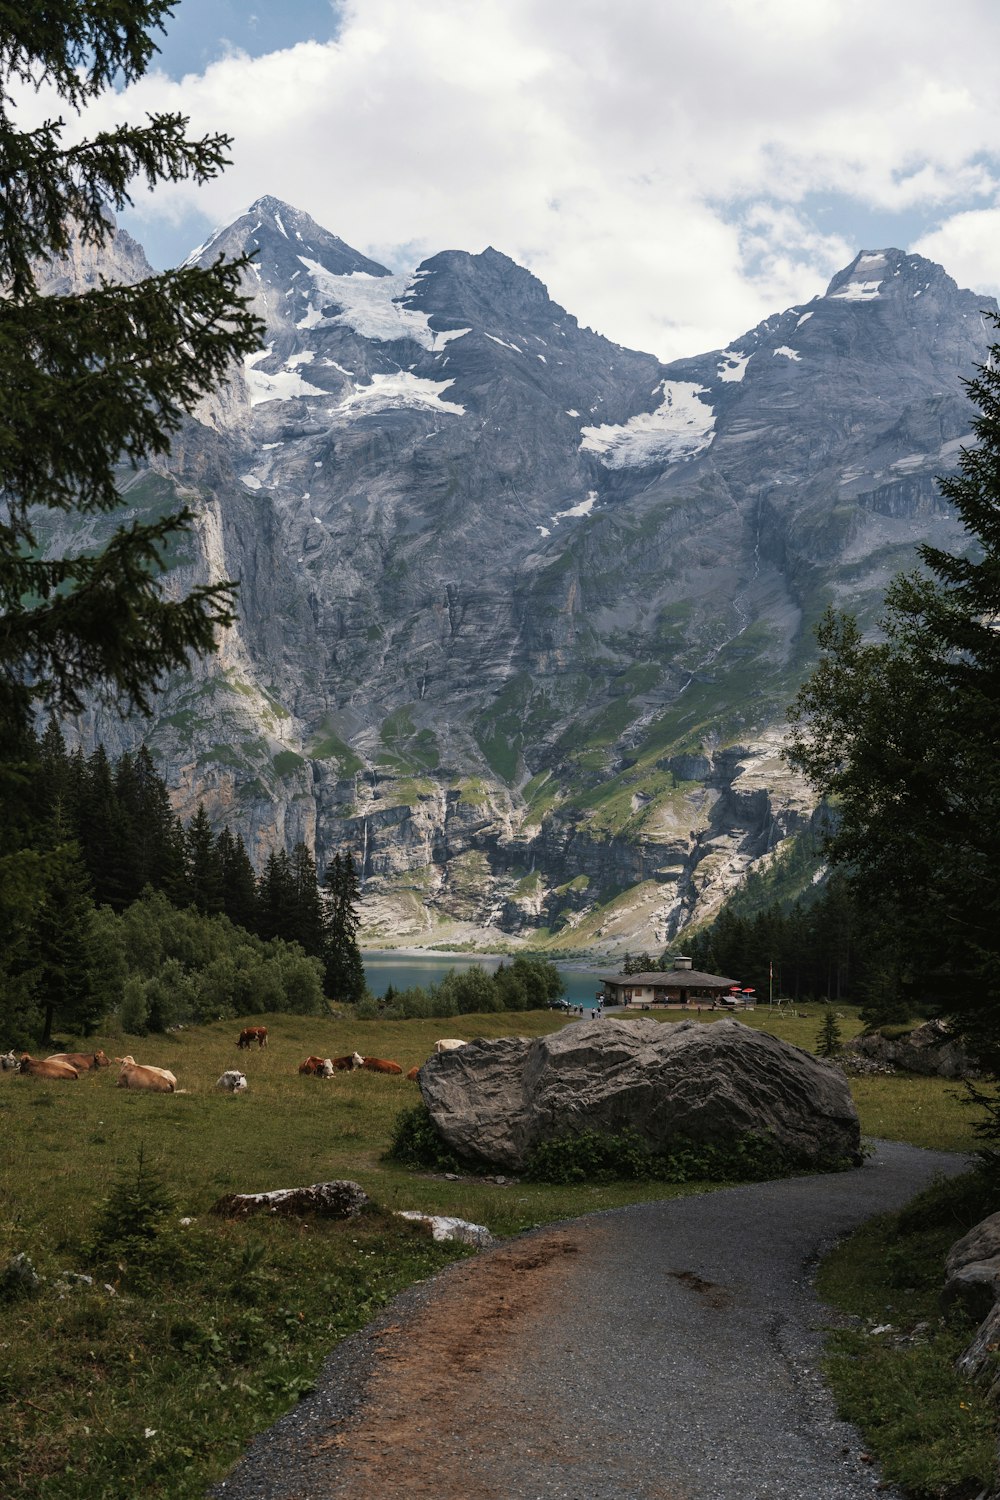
x=678, y=979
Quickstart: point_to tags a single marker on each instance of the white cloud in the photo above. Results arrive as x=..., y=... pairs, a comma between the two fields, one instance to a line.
x=966, y=245
x=648, y=161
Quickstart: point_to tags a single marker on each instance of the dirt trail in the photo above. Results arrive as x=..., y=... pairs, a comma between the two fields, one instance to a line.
x=667, y=1351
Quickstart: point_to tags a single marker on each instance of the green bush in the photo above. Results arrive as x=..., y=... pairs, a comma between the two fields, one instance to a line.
x=415, y=1142
x=593, y=1156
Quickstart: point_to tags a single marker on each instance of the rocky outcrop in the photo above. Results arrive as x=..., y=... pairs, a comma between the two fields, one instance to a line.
x=496, y=1100
x=972, y=1282
x=340, y=1199
x=931, y=1049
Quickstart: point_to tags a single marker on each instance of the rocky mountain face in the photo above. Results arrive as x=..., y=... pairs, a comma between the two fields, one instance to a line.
x=522, y=610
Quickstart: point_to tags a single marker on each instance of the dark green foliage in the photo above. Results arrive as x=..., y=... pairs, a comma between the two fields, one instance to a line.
x=640, y=963
x=525, y=984
x=307, y=926
x=180, y=966
x=903, y=732
x=239, y=885
x=204, y=865
x=825, y=947
x=593, y=1156
x=344, y=970
x=415, y=1142
x=275, y=895
x=137, y=1207
x=828, y=1040
x=90, y=381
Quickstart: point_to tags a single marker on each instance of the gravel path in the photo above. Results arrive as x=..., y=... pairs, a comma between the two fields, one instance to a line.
x=666, y=1351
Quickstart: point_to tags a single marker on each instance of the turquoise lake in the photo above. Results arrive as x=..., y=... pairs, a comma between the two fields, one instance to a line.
x=402, y=970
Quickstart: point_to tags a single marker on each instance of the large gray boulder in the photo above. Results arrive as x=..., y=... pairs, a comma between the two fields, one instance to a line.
x=931, y=1049
x=496, y=1100
x=972, y=1269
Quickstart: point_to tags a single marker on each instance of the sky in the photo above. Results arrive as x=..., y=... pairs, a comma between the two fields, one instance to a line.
x=674, y=172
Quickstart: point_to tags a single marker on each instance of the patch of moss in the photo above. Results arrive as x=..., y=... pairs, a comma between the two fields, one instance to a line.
x=287, y=762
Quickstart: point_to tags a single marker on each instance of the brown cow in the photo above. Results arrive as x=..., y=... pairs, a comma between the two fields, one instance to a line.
x=133, y=1075
x=380, y=1065
x=317, y=1067
x=251, y=1034
x=348, y=1063
x=84, y=1062
x=414, y=1074
x=46, y=1067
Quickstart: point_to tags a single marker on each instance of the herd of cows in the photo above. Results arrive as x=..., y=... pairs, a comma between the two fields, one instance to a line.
x=65, y=1066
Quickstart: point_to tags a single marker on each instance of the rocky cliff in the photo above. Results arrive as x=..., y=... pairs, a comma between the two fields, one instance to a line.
x=522, y=610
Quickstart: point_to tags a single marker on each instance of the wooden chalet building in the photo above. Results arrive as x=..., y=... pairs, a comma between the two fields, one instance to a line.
x=680, y=985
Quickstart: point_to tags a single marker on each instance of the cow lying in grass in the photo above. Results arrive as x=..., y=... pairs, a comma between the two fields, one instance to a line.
x=233, y=1081
x=380, y=1065
x=133, y=1075
x=83, y=1062
x=317, y=1067
x=46, y=1067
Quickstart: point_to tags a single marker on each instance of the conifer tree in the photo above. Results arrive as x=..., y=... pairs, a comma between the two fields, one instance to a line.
x=103, y=833
x=63, y=946
x=97, y=379
x=343, y=969
x=204, y=867
x=239, y=885
x=276, y=900
x=308, y=927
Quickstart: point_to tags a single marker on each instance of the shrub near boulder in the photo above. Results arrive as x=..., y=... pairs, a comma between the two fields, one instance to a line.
x=497, y=1101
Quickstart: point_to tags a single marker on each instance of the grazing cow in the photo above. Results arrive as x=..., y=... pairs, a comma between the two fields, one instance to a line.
x=317, y=1067
x=251, y=1034
x=232, y=1080
x=414, y=1074
x=448, y=1044
x=8, y=1062
x=349, y=1063
x=380, y=1065
x=84, y=1062
x=133, y=1075
x=45, y=1067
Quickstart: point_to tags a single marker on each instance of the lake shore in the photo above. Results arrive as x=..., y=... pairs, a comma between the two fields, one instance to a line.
x=588, y=964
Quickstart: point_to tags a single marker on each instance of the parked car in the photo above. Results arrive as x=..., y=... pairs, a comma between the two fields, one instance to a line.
x=560, y=1005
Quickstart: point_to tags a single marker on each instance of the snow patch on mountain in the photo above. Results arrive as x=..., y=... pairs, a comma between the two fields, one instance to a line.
x=504, y=344
x=583, y=509
x=680, y=427
x=401, y=389
x=372, y=306
x=285, y=384
x=857, y=291
x=788, y=353
x=732, y=364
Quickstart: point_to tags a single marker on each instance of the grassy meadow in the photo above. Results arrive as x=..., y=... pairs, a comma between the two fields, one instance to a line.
x=211, y=1329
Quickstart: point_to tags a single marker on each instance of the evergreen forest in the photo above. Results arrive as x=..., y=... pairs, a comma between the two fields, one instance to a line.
x=111, y=907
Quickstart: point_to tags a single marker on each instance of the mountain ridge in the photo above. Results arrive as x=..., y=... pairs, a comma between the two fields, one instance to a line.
x=522, y=609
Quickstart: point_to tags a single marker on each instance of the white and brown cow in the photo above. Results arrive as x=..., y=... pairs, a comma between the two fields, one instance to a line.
x=133, y=1075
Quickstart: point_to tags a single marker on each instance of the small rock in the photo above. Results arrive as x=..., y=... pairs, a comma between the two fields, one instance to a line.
x=443, y=1227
